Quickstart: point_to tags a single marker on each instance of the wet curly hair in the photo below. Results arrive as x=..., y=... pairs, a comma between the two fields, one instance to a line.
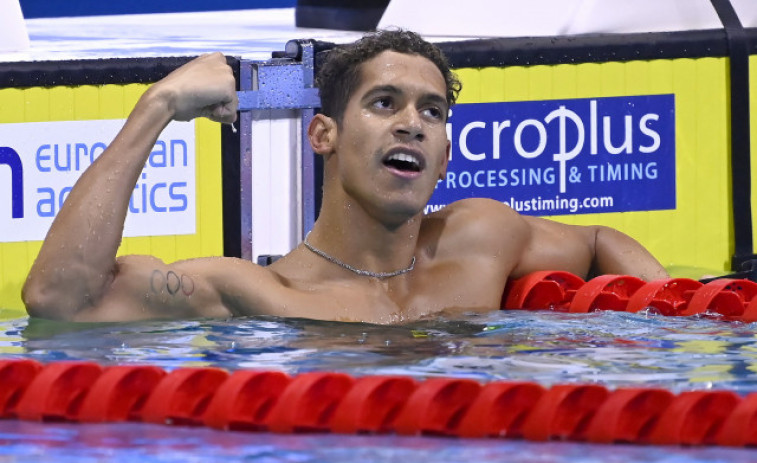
x=339, y=75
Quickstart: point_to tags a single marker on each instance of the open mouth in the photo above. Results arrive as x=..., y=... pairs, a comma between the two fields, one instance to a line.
x=403, y=162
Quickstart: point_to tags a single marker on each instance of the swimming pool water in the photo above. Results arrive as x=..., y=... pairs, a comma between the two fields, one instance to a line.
x=614, y=349
x=611, y=348
x=26, y=442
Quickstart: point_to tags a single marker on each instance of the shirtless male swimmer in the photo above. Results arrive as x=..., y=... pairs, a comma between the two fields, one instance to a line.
x=384, y=144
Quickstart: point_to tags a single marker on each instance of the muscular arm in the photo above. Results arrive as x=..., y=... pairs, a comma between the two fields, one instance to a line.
x=143, y=287
x=585, y=251
x=77, y=268
x=619, y=254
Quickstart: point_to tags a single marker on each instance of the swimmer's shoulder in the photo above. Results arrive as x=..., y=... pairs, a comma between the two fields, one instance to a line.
x=292, y=270
x=476, y=221
x=244, y=287
x=475, y=208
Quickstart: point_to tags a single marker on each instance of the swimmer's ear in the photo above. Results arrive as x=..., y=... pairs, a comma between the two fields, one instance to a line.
x=322, y=134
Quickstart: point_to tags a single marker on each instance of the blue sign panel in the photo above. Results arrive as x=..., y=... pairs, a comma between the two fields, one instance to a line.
x=564, y=156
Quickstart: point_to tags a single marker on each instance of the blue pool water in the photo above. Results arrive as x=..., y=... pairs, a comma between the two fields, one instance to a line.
x=25, y=442
x=610, y=348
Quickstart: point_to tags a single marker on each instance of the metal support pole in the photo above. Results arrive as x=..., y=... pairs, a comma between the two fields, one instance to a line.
x=279, y=83
x=245, y=164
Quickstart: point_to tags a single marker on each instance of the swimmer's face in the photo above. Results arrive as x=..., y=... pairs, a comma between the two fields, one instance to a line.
x=392, y=146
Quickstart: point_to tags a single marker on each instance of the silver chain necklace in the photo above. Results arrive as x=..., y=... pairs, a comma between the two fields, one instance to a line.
x=361, y=272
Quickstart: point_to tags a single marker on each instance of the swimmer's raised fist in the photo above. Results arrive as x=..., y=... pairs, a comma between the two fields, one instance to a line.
x=204, y=87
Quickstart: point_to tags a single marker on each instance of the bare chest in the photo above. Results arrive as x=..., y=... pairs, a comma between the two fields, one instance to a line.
x=399, y=299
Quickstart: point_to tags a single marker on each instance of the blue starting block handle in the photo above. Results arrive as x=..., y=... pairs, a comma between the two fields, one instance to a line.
x=279, y=98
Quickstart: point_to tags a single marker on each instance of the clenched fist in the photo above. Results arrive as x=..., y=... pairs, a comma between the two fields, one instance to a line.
x=204, y=87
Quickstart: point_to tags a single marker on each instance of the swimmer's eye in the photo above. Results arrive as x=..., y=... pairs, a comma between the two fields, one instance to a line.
x=434, y=113
x=383, y=102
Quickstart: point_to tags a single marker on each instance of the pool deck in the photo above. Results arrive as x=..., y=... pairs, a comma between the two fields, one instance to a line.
x=248, y=34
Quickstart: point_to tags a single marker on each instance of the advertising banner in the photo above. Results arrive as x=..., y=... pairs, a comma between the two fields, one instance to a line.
x=41, y=161
x=557, y=157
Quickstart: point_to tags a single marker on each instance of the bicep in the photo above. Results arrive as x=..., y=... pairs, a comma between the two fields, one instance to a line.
x=143, y=287
x=618, y=253
x=550, y=245
x=585, y=251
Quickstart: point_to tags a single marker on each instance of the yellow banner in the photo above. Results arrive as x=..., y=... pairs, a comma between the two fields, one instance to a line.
x=100, y=103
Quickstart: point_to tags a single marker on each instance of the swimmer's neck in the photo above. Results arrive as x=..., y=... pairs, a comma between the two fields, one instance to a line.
x=357, y=238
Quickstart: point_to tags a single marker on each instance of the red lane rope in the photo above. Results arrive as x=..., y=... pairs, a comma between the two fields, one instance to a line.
x=335, y=402
x=724, y=299
x=271, y=401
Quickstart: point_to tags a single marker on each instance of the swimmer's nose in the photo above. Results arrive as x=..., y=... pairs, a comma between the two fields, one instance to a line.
x=409, y=125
